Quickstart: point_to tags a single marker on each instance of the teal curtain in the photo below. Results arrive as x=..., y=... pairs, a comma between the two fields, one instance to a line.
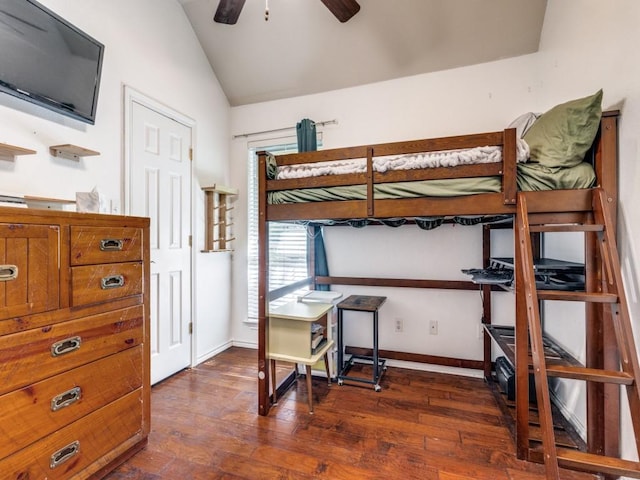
x=322, y=267
x=307, y=142
x=306, y=131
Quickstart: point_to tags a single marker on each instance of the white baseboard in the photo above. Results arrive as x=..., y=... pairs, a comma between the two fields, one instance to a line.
x=212, y=353
x=569, y=415
x=251, y=345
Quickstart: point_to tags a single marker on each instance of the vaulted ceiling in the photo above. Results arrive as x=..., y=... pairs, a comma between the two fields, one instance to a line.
x=303, y=49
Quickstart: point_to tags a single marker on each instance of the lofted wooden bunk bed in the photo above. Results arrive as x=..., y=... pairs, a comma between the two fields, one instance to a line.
x=366, y=186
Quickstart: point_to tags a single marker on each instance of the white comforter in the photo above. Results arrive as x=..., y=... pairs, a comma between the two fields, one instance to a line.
x=448, y=158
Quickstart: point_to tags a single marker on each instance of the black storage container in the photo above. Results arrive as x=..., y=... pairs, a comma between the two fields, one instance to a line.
x=507, y=380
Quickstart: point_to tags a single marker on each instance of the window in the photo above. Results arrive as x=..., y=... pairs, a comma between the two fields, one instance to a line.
x=287, y=241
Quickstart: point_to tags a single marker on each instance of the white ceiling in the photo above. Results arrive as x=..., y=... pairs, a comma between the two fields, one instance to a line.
x=303, y=49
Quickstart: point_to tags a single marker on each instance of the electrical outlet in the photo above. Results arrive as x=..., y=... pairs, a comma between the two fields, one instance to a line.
x=433, y=327
x=399, y=325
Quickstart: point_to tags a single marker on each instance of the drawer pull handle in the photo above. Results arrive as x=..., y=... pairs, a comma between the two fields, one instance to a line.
x=112, y=281
x=8, y=272
x=111, y=245
x=65, y=346
x=66, y=398
x=64, y=454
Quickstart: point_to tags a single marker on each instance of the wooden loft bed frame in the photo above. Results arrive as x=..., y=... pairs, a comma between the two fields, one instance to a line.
x=489, y=204
x=572, y=206
x=493, y=203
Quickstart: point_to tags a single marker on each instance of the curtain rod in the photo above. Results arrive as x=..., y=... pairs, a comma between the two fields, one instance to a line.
x=321, y=124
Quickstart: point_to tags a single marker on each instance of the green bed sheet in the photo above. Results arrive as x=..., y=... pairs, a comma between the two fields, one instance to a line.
x=531, y=177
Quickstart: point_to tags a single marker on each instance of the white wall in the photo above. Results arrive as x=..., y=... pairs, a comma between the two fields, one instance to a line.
x=150, y=46
x=586, y=45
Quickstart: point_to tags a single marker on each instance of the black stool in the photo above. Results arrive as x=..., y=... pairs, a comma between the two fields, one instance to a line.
x=361, y=303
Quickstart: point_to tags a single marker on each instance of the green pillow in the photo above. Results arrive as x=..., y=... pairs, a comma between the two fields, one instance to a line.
x=272, y=167
x=562, y=136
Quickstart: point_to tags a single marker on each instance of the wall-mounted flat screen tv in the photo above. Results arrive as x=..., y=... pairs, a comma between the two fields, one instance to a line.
x=47, y=61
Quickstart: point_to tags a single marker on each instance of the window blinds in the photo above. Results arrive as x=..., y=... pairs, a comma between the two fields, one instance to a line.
x=287, y=241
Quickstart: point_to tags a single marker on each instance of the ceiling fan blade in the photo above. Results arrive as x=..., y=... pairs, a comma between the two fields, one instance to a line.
x=342, y=9
x=228, y=11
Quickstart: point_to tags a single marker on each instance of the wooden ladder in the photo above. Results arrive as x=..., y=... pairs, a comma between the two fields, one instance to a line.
x=608, y=293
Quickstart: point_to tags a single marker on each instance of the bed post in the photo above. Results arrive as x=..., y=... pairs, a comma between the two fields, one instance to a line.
x=486, y=301
x=369, y=175
x=509, y=166
x=605, y=159
x=264, y=403
x=603, y=401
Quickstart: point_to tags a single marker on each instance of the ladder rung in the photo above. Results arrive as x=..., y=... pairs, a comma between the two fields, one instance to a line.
x=577, y=296
x=590, y=462
x=573, y=227
x=590, y=374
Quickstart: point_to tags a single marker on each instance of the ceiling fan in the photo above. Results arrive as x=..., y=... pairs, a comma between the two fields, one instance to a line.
x=229, y=10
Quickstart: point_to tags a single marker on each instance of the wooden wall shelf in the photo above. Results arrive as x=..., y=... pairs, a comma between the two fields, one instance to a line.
x=218, y=235
x=49, y=200
x=13, y=151
x=71, y=151
x=47, y=203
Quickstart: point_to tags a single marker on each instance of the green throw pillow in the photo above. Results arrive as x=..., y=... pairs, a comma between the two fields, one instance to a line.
x=272, y=167
x=562, y=136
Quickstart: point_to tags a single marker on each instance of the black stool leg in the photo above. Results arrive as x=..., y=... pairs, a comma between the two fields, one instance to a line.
x=376, y=372
x=340, y=349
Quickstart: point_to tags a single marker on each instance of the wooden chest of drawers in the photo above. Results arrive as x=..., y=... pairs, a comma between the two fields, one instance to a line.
x=74, y=342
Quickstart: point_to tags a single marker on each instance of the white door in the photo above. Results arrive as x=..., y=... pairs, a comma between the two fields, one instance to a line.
x=160, y=188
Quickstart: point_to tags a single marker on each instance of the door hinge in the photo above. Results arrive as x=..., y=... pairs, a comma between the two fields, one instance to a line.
x=191, y=154
x=190, y=328
x=190, y=240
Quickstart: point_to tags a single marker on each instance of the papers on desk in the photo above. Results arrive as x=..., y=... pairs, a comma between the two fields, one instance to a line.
x=320, y=296
x=319, y=346
x=317, y=335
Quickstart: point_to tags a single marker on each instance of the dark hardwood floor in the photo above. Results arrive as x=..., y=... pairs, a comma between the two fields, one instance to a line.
x=420, y=426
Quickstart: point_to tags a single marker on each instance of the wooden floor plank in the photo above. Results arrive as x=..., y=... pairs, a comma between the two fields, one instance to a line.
x=422, y=425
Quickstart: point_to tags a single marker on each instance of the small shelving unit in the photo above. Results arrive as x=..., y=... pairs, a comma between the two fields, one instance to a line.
x=550, y=274
x=7, y=150
x=218, y=234
x=291, y=333
x=565, y=433
x=73, y=152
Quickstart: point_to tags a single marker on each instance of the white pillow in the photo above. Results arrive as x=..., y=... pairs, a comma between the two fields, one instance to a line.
x=523, y=123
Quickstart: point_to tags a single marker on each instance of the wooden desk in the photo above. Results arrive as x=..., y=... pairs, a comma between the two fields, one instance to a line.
x=332, y=297
x=290, y=339
x=361, y=303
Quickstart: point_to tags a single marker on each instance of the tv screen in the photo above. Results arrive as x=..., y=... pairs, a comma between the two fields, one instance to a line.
x=47, y=61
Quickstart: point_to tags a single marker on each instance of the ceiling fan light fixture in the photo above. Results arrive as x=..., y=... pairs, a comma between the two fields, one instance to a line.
x=343, y=10
x=228, y=11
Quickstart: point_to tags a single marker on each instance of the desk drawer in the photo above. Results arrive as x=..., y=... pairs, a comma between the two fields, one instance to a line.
x=71, y=449
x=44, y=407
x=93, y=245
x=29, y=269
x=99, y=283
x=37, y=354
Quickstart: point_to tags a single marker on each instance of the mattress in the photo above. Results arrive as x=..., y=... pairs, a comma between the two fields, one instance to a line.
x=530, y=177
